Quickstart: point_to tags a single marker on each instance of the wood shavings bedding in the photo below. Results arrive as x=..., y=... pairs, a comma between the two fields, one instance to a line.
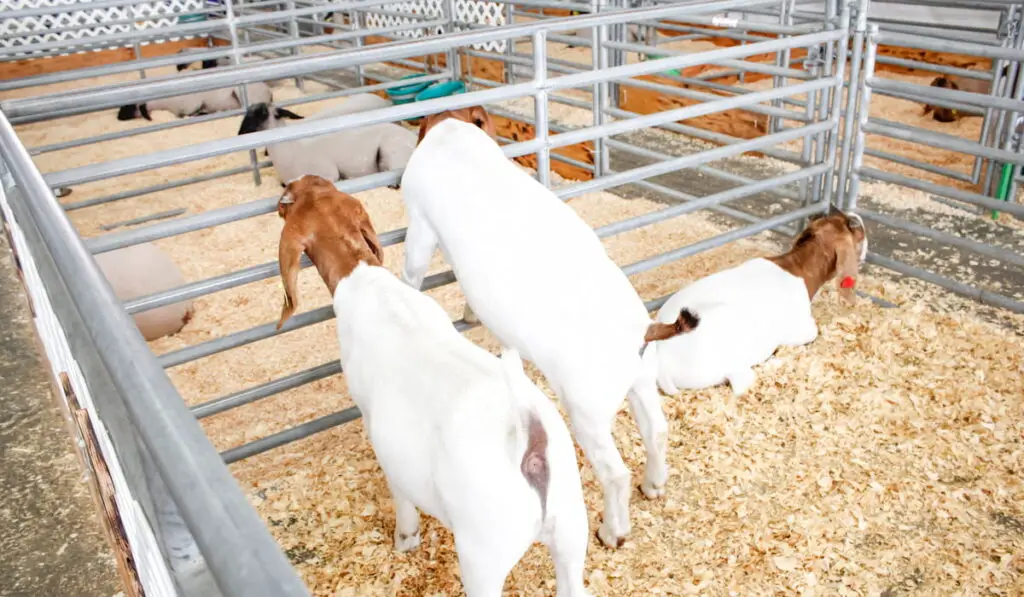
x=886, y=454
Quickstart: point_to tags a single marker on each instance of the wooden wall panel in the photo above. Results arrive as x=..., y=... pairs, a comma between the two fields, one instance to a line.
x=41, y=66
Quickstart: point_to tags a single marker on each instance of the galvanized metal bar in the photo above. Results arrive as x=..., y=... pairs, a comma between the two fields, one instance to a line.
x=944, y=191
x=266, y=390
x=982, y=296
x=100, y=98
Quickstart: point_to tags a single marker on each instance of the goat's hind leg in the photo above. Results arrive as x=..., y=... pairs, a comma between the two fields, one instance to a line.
x=593, y=431
x=568, y=545
x=645, y=402
x=484, y=562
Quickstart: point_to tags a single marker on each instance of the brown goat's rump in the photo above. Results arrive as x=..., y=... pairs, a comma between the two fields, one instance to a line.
x=883, y=458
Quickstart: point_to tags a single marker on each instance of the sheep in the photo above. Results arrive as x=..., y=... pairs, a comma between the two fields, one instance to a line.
x=748, y=311
x=197, y=104
x=204, y=64
x=967, y=84
x=537, y=276
x=460, y=434
x=335, y=156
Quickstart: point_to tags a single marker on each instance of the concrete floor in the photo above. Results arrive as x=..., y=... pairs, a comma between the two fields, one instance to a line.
x=50, y=534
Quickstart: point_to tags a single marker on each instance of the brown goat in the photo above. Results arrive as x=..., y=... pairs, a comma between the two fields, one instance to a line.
x=331, y=227
x=956, y=83
x=833, y=245
x=475, y=115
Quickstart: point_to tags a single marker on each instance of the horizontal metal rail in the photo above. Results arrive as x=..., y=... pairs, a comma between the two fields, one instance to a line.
x=1005, y=255
x=982, y=296
x=224, y=215
x=44, y=107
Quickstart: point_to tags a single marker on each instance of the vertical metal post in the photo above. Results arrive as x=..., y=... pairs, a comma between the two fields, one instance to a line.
x=358, y=22
x=510, y=47
x=454, y=64
x=597, y=92
x=137, y=50
x=836, y=105
x=850, y=201
x=824, y=99
x=851, y=97
x=540, y=107
x=781, y=61
x=236, y=58
x=604, y=156
x=293, y=32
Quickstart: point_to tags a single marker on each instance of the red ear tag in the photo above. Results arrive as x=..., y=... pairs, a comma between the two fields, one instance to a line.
x=847, y=282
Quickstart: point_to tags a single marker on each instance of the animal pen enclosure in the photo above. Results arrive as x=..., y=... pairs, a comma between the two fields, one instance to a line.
x=719, y=124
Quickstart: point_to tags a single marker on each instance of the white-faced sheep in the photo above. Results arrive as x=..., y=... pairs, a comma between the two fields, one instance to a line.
x=340, y=155
x=539, y=279
x=748, y=311
x=460, y=434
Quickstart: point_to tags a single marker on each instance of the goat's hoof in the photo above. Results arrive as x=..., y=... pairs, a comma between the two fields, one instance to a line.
x=652, y=491
x=405, y=543
x=609, y=540
x=394, y=187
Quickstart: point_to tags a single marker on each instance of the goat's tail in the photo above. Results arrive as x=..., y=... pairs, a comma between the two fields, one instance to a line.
x=686, y=322
x=534, y=464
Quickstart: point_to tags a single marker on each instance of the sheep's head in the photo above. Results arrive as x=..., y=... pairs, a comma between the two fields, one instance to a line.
x=832, y=245
x=263, y=116
x=475, y=115
x=133, y=111
x=939, y=113
x=329, y=226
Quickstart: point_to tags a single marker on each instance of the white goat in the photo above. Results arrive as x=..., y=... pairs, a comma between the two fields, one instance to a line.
x=748, y=311
x=460, y=434
x=541, y=281
x=197, y=104
x=336, y=156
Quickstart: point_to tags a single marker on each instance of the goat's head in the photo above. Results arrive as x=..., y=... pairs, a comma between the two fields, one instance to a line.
x=133, y=111
x=832, y=245
x=938, y=112
x=329, y=226
x=263, y=116
x=474, y=115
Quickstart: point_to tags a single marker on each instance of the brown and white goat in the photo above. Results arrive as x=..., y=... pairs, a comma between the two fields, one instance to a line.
x=748, y=311
x=460, y=434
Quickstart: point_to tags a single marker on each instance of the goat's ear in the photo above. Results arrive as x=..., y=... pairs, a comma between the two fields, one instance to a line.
x=425, y=123
x=847, y=264
x=370, y=236
x=284, y=113
x=289, y=255
x=483, y=120
x=285, y=201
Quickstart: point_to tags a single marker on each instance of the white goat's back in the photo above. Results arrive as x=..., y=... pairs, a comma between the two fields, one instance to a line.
x=745, y=313
x=535, y=273
x=436, y=406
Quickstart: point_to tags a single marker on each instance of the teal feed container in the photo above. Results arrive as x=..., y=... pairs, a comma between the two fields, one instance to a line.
x=405, y=94
x=193, y=18
x=441, y=90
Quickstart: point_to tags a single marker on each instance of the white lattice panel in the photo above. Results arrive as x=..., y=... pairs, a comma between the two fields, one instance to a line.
x=468, y=11
x=79, y=21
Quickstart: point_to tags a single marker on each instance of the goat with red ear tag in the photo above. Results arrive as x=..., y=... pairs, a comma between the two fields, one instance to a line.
x=748, y=311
